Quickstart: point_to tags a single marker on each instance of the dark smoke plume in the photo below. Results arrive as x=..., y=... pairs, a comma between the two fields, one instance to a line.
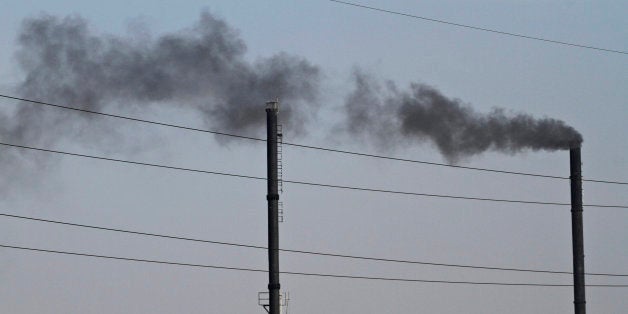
x=202, y=68
x=424, y=114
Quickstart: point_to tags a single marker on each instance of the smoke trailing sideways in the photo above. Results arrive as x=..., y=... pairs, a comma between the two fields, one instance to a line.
x=422, y=113
x=202, y=68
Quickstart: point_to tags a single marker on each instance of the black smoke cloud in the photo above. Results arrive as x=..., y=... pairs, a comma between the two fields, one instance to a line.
x=202, y=68
x=421, y=113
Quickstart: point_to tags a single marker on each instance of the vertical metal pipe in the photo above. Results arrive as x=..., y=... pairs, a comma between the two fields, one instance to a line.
x=273, y=212
x=577, y=230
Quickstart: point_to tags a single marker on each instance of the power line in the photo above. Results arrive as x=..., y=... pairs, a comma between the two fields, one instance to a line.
x=327, y=149
x=131, y=118
x=479, y=28
x=302, y=251
x=426, y=162
x=309, y=183
x=446, y=165
x=303, y=273
x=435, y=195
x=135, y=162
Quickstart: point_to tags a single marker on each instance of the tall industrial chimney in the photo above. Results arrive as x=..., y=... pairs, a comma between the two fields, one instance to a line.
x=272, y=107
x=577, y=230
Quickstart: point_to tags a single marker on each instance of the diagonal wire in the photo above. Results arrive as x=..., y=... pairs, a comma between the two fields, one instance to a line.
x=357, y=5
x=327, y=149
x=302, y=251
x=335, y=186
x=303, y=273
x=131, y=118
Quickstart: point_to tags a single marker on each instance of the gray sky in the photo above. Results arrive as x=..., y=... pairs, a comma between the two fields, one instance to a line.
x=584, y=88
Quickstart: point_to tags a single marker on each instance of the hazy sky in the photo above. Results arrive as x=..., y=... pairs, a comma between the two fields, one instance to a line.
x=584, y=88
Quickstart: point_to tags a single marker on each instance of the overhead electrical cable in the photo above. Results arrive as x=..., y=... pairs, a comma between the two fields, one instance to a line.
x=346, y=152
x=357, y=5
x=303, y=251
x=131, y=118
x=345, y=187
x=139, y=163
x=430, y=163
x=304, y=273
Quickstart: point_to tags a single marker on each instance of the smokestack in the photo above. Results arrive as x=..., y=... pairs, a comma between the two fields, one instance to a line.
x=272, y=107
x=577, y=229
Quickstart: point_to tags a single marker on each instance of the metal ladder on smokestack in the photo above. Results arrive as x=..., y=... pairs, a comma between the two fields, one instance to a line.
x=279, y=157
x=280, y=167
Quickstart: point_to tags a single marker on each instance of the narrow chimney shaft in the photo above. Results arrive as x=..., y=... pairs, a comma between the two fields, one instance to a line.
x=577, y=229
x=272, y=107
